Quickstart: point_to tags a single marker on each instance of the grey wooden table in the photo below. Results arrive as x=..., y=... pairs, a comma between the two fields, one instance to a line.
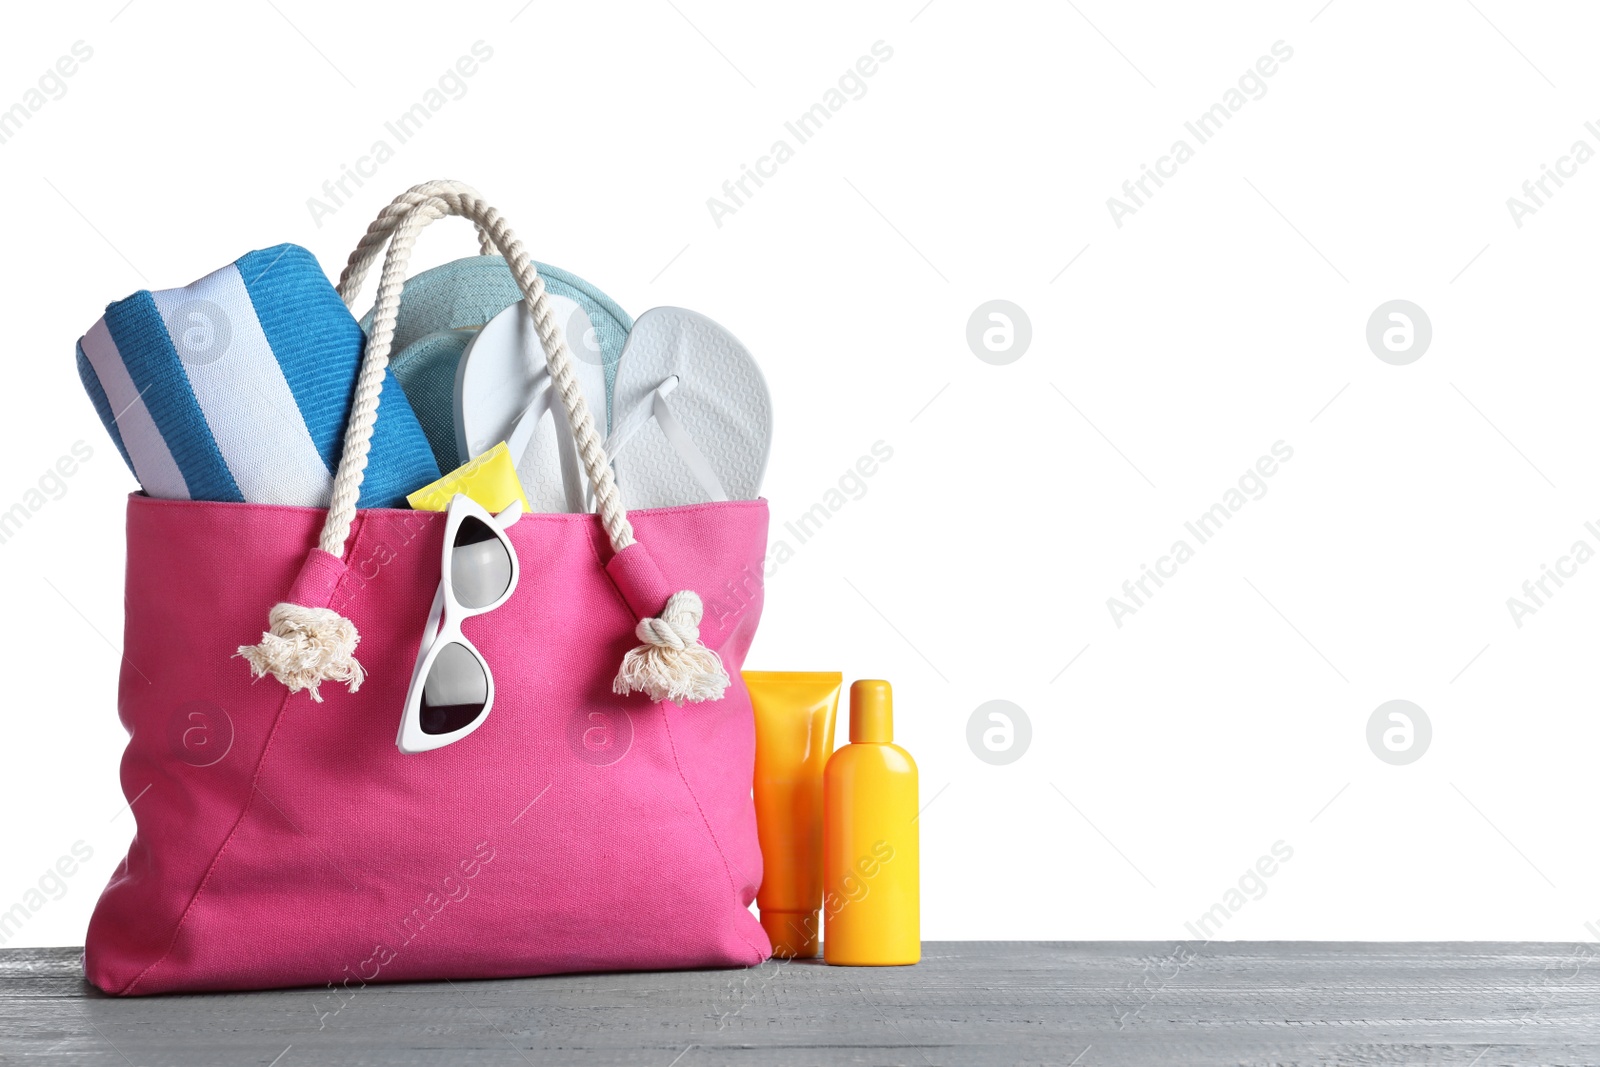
x=1093, y=1004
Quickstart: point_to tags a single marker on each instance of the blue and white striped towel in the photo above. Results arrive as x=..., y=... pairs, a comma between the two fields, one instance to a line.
x=237, y=388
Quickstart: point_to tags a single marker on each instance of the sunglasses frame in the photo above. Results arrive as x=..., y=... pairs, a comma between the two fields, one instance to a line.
x=444, y=625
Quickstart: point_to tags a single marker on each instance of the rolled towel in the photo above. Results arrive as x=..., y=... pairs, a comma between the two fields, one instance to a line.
x=237, y=388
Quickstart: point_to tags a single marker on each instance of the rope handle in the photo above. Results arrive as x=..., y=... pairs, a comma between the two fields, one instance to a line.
x=372, y=242
x=398, y=225
x=309, y=643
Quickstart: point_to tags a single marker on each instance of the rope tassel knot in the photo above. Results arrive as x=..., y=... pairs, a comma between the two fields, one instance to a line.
x=305, y=647
x=671, y=663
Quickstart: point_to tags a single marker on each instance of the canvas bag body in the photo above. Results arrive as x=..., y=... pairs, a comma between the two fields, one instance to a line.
x=282, y=842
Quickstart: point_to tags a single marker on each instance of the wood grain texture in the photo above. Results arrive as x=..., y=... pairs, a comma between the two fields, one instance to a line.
x=967, y=1004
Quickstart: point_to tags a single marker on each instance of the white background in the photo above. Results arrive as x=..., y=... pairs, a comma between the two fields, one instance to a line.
x=1229, y=313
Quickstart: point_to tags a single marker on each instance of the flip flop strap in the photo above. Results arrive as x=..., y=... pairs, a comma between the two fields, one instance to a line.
x=523, y=429
x=576, y=489
x=687, y=451
x=656, y=406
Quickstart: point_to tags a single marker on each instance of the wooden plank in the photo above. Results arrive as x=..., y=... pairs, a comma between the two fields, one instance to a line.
x=968, y=1004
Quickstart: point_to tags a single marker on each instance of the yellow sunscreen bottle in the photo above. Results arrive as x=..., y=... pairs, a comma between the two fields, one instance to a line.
x=871, y=897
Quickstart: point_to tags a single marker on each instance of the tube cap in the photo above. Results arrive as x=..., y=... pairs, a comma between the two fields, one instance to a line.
x=871, y=711
x=795, y=935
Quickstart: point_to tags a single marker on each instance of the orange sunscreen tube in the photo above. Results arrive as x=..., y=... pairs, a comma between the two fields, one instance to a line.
x=794, y=737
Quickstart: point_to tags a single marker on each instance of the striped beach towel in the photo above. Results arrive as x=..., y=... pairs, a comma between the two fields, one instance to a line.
x=237, y=388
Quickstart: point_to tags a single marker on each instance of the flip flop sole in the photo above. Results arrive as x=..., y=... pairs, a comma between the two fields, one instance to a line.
x=720, y=400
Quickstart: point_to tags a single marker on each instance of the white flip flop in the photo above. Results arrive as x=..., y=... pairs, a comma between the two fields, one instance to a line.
x=503, y=393
x=692, y=419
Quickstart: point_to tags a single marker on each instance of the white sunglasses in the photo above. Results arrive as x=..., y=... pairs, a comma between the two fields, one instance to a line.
x=452, y=688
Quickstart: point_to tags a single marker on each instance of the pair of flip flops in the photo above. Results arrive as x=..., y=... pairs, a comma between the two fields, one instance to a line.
x=683, y=407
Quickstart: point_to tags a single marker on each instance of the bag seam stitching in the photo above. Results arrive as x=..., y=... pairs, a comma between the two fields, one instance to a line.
x=727, y=869
x=677, y=765
x=249, y=804
x=216, y=859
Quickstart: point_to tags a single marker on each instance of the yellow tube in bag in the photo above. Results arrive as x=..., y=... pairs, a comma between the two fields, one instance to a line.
x=490, y=479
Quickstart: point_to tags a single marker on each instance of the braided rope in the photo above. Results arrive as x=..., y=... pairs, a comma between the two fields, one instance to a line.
x=399, y=224
x=372, y=242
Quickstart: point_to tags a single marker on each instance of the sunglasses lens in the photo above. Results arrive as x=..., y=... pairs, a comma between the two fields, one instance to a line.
x=456, y=691
x=480, y=564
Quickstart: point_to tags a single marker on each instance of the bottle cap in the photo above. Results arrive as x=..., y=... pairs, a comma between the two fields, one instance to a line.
x=871, y=711
x=795, y=935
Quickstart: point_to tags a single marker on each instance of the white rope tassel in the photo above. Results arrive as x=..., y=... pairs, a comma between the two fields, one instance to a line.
x=306, y=647
x=671, y=663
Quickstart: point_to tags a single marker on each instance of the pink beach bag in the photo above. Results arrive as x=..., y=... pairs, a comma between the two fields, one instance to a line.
x=283, y=841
